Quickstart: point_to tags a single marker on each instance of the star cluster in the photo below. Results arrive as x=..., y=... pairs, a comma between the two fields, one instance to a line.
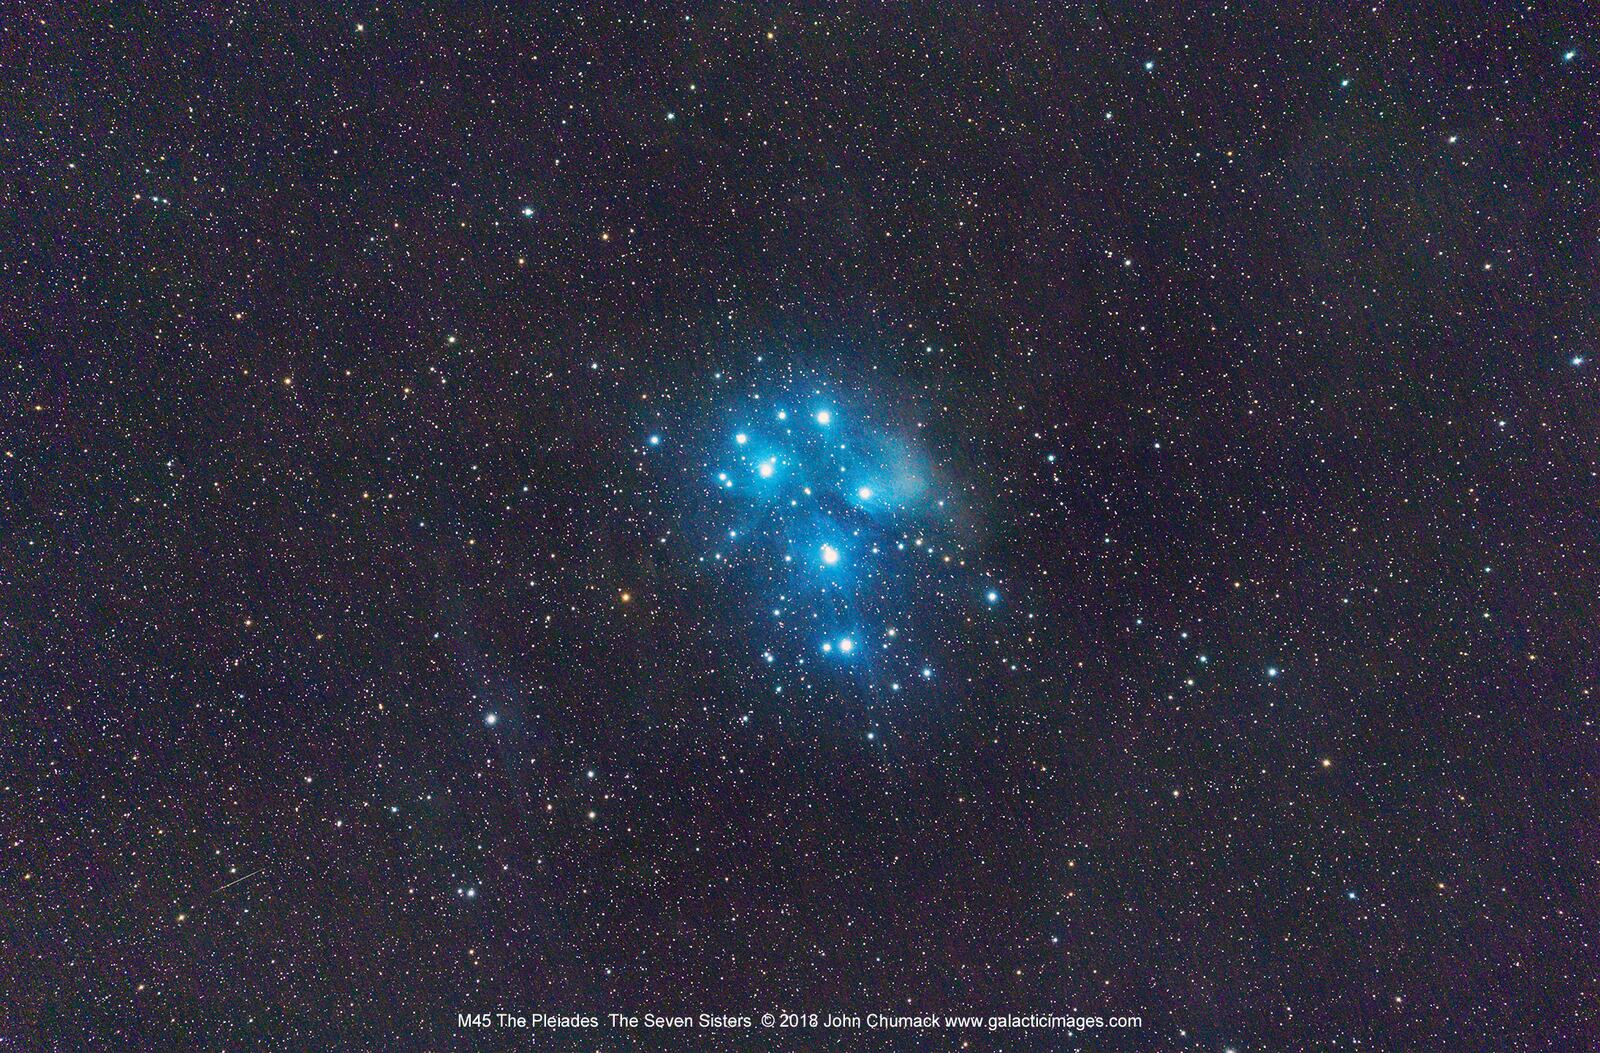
x=828, y=530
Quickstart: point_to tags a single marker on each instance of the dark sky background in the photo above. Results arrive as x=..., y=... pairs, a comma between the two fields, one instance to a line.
x=364, y=663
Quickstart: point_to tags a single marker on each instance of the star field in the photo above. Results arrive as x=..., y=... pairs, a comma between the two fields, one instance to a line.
x=591, y=508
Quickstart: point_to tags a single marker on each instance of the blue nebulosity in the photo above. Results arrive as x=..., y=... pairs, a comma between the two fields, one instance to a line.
x=830, y=536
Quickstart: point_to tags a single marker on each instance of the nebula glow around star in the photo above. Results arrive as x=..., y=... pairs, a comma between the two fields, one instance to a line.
x=829, y=538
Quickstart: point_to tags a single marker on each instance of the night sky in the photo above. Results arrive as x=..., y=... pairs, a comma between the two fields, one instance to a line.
x=1082, y=508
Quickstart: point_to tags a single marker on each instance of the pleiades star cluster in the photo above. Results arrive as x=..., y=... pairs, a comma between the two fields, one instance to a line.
x=829, y=531
x=882, y=512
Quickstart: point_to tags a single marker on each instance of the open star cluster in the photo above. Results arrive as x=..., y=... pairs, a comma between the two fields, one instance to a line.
x=834, y=535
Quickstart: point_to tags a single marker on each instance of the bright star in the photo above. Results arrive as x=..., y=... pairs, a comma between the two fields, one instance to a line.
x=1272, y=671
x=830, y=555
x=655, y=440
x=927, y=672
x=491, y=719
x=993, y=597
x=741, y=438
x=865, y=493
x=766, y=470
x=847, y=645
x=824, y=417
